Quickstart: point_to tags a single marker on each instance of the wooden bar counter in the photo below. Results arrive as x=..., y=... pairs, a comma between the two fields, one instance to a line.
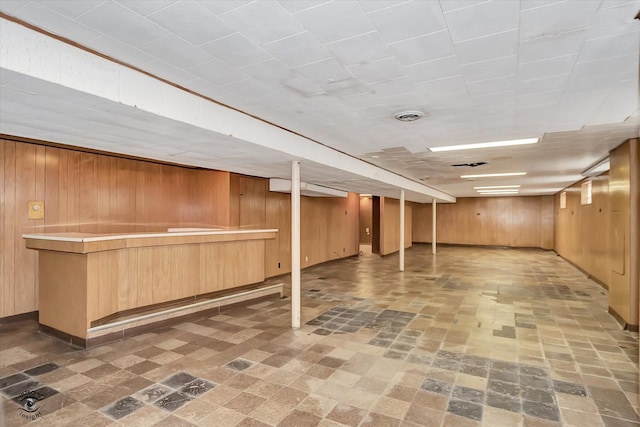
x=84, y=278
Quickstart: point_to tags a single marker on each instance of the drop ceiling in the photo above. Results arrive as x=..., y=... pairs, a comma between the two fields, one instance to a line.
x=336, y=72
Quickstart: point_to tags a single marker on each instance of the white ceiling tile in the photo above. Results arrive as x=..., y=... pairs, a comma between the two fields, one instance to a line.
x=55, y=22
x=619, y=104
x=334, y=21
x=326, y=71
x=432, y=70
x=490, y=69
x=534, y=4
x=272, y=71
x=393, y=87
x=607, y=47
x=451, y=5
x=361, y=49
x=547, y=68
x=545, y=98
x=262, y=21
x=222, y=6
x=236, y=50
x=298, y=50
x=11, y=6
x=192, y=22
x=546, y=84
x=384, y=69
x=217, y=72
x=361, y=100
x=417, y=17
x=442, y=86
x=119, y=50
x=471, y=22
x=551, y=46
x=250, y=89
x=490, y=47
x=132, y=28
x=423, y=48
x=298, y=5
x=69, y=8
x=607, y=66
x=301, y=87
x=487, y=100
x=345, y=87
x=143, y=7
x=557, y=18
x=615, y=19
x=176, y=51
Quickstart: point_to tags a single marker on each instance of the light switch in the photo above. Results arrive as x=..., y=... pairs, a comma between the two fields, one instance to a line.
x=36, y=209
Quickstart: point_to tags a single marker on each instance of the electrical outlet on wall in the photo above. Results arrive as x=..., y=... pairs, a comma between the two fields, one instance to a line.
x=306, y=258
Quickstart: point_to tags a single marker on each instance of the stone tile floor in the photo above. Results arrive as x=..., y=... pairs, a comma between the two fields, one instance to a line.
x=471, y=337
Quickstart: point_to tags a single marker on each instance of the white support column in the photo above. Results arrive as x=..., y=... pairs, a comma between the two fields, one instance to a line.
x=433, y=226
x=295, y=244
x=401, y=230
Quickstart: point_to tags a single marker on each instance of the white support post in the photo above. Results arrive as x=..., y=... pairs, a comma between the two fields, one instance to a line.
x=433, y=226
x=295, y=244
x=401, y=230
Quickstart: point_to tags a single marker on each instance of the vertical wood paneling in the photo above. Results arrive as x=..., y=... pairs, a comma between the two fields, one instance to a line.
x=8, y=242
x=93, y=193
x=73, y=187
x=619, y=259
x=51, y=190
x=252, y=202
x=88, y=193
x=390, y=231
x=3, y=237
x=493, y=221
x=25, y=259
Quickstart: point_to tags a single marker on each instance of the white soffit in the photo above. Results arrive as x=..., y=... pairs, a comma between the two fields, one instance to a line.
x=284, y=186
x=80, y=77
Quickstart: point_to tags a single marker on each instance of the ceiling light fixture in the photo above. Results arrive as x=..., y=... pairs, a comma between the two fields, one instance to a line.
x=485, y=144
x=499, y=194
x=491, y=187
x=408, y=116
x=491, y=175
x=497, y=191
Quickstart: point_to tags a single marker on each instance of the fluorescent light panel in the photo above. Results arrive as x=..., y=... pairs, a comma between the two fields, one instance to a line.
x=490, y=175
x=491, y=187
x=499, y=192
x=486, y=144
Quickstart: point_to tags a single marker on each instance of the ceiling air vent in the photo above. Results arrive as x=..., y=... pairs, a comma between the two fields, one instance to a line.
x=470, y=165
x=408, y=116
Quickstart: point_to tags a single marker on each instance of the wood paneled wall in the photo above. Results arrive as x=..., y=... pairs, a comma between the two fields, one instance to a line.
x=581, y=231
x=95, y=193
x=525, y=221
x=620, y=292
x=390, y=225
x=329, y=225
x=597, y=237
x=92, y=193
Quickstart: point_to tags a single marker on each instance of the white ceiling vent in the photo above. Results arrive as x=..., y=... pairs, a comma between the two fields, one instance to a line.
x=408, y=116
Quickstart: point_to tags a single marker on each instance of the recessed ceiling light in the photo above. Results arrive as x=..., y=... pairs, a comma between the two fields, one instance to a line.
x=489, y=175
x=485, y=144
x=408, y=116
x=491, y=187
x=496, y=191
